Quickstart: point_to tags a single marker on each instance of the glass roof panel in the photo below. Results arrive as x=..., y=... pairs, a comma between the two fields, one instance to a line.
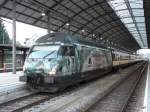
x=143, y=34
x=135, y=34
x=138, y=12
x=139, y=19
x=141, y=25
x=130, y=25
x=124, y=13
x=142, y=31
x=138, y=5
x=127, y=20
x=142, y=28
x=132, y=30
x=131, y=13
x=120, y=7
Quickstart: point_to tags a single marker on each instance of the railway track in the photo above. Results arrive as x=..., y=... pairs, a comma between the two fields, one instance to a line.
x=117, y=99
x=32, y=99
x=135, y=102
x=29, y=99
x=23, y=102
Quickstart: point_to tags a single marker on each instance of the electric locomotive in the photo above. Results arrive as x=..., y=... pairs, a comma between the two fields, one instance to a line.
x=58, y=60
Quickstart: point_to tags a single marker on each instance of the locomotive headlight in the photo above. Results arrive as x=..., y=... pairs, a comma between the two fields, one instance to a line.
x=52, y=72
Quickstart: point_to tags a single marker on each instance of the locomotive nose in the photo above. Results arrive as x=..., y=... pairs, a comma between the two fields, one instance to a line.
x=45, y=67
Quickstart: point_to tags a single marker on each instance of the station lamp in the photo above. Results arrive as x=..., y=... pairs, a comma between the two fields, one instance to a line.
x=67, y=24
x=93, y=35
x=51, y=31
x=83, y=31
x=43, y=14
x=68, y=27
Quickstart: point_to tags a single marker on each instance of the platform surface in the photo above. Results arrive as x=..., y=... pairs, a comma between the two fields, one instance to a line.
x=7, y=80
x=147, y=92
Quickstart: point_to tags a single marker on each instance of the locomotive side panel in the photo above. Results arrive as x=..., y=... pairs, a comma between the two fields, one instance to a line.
x=92, y=58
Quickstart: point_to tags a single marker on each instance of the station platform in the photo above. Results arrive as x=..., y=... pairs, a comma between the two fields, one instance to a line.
x=9, y=80
x=147, y=92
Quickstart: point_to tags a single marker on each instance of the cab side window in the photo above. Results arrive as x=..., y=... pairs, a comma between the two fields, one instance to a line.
x=68, y=51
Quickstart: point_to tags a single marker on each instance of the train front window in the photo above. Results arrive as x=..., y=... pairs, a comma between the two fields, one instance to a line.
x=44, y=51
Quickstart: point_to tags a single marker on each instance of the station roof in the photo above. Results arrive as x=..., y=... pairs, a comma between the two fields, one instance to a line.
x=91, y=19
x=131, y=13
x=147, y=19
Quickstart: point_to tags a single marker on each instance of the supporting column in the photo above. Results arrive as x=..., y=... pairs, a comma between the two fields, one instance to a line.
x=2, y=59
x=24, y=56
x=48, y=24
x=14, y=37
x=3, y=37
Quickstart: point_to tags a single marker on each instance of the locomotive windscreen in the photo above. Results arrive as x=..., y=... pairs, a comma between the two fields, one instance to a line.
x=44, y=51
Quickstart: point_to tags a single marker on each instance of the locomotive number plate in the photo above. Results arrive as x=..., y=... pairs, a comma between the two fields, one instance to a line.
x=49, y=80
x=23, y=78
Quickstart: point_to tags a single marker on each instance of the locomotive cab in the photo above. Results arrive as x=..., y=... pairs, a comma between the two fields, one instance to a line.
x=46, y=58
x=41, y=60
